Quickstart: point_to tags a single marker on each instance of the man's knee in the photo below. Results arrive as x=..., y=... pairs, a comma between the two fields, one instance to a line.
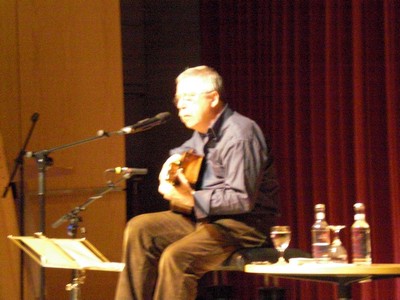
x=137, y=232
x=174, y=257
x=140, y=219
x=138, y=223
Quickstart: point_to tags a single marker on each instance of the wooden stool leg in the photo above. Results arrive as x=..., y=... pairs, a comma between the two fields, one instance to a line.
x=269, y=292
x=220, y=290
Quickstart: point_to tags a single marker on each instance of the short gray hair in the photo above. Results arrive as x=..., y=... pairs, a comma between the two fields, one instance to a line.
x=210, y=76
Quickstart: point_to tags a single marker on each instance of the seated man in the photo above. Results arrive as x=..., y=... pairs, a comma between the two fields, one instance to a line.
x=232, y=205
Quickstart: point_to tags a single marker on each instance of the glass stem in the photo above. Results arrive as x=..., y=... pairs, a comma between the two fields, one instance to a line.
x=281, y=258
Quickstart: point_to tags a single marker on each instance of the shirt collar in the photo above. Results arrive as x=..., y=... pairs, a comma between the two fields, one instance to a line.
x=214, y=131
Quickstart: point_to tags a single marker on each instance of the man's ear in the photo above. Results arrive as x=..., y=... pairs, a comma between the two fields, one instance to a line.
x=215, y=100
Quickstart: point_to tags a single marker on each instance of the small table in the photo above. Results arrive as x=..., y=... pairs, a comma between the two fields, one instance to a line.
x=342, y=274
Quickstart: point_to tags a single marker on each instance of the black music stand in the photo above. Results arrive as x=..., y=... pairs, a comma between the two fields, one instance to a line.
x=75, y=254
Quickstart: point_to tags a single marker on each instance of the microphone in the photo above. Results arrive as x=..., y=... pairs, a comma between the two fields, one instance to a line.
x=35, y=117
x=146, y=124
x=126, y=170
x=29, y=154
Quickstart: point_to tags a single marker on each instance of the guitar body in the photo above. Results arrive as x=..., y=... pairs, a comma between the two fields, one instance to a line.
x=190, y=163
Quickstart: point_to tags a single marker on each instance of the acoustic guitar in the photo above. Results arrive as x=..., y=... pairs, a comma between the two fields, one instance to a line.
x=190, y=163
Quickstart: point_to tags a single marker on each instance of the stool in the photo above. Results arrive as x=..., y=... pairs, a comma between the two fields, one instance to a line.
x=239, y=259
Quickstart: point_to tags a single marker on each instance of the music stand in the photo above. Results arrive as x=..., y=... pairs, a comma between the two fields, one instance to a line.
x=76, y=254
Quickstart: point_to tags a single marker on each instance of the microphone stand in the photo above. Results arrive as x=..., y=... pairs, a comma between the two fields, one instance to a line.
x=19, y=164
x=43, y=160
x=78, y=276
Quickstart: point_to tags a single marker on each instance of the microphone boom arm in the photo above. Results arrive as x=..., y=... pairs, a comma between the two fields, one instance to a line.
x=73, y=217
x=100, y=135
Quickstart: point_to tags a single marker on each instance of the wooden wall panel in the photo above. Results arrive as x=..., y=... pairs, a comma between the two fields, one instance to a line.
x=9, y=254
x=9, y=143
x=66, y=59
x=71, y=75
x=10, y=124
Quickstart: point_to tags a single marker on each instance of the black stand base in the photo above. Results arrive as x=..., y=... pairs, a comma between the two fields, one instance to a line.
x=216, y=292
x=225, y=292
x=271, y=293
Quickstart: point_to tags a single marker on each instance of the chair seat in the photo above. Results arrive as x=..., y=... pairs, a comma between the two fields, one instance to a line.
x=241, y=257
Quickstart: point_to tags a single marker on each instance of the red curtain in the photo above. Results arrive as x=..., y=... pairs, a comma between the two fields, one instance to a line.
x=322, y=78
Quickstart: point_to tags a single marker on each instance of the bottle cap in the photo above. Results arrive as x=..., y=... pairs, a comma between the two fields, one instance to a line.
x=359, y=208
x=319, y=207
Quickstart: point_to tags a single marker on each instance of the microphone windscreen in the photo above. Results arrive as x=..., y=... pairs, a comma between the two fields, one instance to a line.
x=164, y=116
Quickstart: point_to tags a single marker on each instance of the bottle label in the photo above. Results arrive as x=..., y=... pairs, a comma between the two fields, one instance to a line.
x=321, y=236
x=320, y=243
x=358, y=217
x=361, y=243
x=320, y=250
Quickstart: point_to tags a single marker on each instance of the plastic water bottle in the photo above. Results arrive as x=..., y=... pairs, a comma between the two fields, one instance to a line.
x=320, y=233
x=360, y=236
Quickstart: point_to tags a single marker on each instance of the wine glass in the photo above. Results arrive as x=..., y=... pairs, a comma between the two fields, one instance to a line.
x=280, y=236
x=337, y=252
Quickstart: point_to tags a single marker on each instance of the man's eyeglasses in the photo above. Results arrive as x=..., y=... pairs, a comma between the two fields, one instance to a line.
x=189, y=98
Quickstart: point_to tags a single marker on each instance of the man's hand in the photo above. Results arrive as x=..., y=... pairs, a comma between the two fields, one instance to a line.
x=166, y=186
x=181, y=194
x=164, y=173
